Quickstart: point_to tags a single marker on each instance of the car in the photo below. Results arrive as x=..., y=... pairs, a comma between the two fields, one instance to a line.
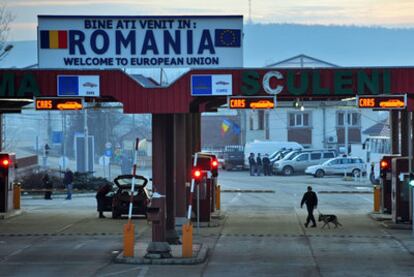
x=89, y=84
x=262, y=104
x=392, y=103
x=71, y=105
x=298, y=161
x=339, y=165
x=118, y=199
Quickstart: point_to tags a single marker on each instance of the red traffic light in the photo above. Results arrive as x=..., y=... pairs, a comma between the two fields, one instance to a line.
x=5, y=162
x=384, y=164
x=196, y=173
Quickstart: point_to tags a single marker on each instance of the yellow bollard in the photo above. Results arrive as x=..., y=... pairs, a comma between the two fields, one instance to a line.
x=187, y=246
x=218, y=195
x=129, y=239
x=377, y=198
x=16, y=196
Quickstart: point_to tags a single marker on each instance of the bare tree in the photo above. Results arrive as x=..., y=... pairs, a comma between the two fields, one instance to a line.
x=6, y=17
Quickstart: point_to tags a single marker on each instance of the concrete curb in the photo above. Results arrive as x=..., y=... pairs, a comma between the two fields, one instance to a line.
x=249, y=190
x=379, y=216
x=345, y=191
x=10, y=214
x=200, y=258
x=395, y=226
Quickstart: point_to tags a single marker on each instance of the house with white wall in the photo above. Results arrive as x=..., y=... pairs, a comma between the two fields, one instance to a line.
x=314, y=124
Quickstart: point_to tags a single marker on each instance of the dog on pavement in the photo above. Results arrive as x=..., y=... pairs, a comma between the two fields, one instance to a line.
x=329, y=218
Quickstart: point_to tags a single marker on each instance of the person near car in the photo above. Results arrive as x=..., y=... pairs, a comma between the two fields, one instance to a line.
x=68, y=183
x=259, y=164
x=311, y=200
x=100, y=198
x=47, y=184
x=252, y=164
x=266, y=165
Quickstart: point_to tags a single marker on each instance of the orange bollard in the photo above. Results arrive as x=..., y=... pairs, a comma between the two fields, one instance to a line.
x=16, y=196
x=187, y=246
x=218, y=195
x=129, y=239
x=377, y=198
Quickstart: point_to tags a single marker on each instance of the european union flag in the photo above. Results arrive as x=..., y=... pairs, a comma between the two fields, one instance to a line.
x=227, y=37
x=68, y=85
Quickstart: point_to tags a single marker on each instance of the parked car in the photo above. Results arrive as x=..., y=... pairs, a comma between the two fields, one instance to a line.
x=298, y=161
x=340, y=165
x=267, y=147
x=118, y=200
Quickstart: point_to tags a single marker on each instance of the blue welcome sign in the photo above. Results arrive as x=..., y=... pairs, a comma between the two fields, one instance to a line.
x=140, y=41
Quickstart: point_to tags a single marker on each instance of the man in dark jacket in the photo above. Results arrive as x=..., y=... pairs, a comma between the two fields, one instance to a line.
x=100, y=198
x=266, y=165
x=259, y=164
x=252, y=164
x=68, y=182
x=311, y=201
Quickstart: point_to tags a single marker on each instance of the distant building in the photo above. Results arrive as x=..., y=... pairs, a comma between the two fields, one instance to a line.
x=319, y=124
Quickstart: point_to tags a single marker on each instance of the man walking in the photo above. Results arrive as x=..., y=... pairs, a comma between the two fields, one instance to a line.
x=68, y=182
x=311, y=201
x=252, y=164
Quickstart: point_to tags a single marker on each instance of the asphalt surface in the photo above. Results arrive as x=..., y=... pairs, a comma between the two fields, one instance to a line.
x=262, y=234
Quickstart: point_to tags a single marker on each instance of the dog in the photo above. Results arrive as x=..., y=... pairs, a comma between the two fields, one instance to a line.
x=329, y=218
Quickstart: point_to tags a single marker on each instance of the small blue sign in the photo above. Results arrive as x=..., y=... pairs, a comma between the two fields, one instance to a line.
x=201, y=85
x=68, y=85
x=57, y=137
x=108, y=152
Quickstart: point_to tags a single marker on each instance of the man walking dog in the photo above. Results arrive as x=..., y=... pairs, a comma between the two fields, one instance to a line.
x=311, y=201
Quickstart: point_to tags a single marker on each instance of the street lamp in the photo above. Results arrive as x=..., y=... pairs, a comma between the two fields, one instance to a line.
x=6, y=50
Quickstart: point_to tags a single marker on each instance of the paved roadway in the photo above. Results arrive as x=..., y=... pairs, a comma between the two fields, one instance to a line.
x=261, y=235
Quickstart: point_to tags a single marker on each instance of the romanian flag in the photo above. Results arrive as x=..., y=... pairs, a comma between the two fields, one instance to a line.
x=54, y=39
x=225, y=126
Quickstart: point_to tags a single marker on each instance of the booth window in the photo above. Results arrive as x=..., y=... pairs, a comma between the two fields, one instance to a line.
x=260, y=120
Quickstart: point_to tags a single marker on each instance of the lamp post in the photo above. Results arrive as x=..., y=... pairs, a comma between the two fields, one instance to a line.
x=6, y=50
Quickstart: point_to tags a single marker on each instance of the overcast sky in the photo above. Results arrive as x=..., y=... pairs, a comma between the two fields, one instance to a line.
x=396, y=13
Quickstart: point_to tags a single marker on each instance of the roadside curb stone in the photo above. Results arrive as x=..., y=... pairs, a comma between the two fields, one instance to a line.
x=200, y=251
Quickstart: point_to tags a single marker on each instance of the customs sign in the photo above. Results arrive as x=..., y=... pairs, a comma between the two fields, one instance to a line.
x=140, y=41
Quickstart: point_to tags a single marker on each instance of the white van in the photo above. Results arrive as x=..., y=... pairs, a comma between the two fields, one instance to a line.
x=267, y=147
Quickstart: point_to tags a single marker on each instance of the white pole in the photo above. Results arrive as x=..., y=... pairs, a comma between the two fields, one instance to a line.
x=346, y=131
x=85, y=126
x=134, y=172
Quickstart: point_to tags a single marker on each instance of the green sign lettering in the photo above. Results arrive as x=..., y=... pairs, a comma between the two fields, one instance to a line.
x=251, y=83
x=7, y=85
x=368, y=84
x=28, y=86
x=343, y=82
x=303, y=83
x=317, y=88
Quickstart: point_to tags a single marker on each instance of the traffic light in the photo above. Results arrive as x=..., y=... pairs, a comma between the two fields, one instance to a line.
x=5, y=162
x=196, y=174
x=411, y=180
x=384, y=167
x=214, y=167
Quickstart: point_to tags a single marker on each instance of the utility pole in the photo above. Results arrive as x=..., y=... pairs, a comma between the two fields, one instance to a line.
x=346, y=130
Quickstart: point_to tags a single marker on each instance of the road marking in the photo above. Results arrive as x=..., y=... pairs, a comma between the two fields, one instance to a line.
x=117, y=273
x=65, y=228
x=79, y=245
x=234, y=199
x=143, y=272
